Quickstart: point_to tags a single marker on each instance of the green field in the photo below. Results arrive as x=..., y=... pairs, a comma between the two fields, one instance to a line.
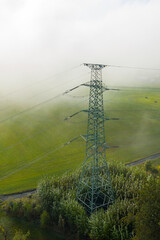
x=29, y=136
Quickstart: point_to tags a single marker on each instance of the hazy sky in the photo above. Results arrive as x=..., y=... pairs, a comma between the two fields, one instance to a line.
x=41, y=37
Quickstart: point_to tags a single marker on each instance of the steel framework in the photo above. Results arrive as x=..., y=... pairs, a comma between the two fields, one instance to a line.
x=95, y=189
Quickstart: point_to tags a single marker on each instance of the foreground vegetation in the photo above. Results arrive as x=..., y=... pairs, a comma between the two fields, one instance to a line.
x=29, y=136
x=134, y=215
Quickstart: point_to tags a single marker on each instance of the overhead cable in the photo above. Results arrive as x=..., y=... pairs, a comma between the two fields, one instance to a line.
x=38, y=158
x=29, y=109
x=39, y=81
x=31, y=162
x=134, y=67
x=26, y=138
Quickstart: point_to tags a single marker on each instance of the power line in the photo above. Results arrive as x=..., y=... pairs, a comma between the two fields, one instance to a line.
x=134, y=67
x=36, y=105
x=45, y=91
x=133, y=90
x=73, y=96
x=3, y=120
x=53, y=88
x=39, y=81
x=32, y=162
x=70, y=69
x=29, y=109
x=38, y=158
x=32, y=135
x=24, y=139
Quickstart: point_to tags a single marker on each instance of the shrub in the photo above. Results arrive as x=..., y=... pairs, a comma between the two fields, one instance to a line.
x=19, y=235
x=67, y=182
x=15, y=208
x=44, y=219
x=28, y=210
x=147, y=223
x=61, y=223
x=4, y=233
x=126, y=182
x=150, y=168
x=112, y=224
x=56, y=198
x=48, y=194
x=75, y=216
x=37, y=211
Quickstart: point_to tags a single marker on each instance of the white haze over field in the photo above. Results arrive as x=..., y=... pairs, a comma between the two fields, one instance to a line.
x=39, y=38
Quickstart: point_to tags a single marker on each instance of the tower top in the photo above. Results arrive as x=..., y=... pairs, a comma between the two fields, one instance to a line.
x=95, y=66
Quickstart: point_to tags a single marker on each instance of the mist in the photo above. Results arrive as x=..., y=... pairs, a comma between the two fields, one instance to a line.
x=41, y=38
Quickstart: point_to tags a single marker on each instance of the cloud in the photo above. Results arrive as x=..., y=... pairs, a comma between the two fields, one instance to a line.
x=41, y=37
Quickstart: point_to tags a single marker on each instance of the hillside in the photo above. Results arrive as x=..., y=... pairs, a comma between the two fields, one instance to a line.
x=31, y=144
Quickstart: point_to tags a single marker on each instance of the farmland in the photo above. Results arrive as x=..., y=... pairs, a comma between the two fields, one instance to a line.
x=43, y=132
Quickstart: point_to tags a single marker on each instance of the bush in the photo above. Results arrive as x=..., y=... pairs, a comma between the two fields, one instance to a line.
x=67, y=182
x=29, y=208
x=151, y=169
x=19, y=235
x=61, y=223
x=74, y=216
x=37, y=211
x=50, y=197
x=48, y=194
x=3, y=233
x=113, y=223
x=56, y=197
x=147, y=223
x=44, y=219
x=15, y=208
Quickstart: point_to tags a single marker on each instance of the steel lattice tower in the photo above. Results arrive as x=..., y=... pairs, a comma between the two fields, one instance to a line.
x=95, y=189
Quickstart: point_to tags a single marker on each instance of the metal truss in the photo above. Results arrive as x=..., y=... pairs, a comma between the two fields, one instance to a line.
x=95, y=188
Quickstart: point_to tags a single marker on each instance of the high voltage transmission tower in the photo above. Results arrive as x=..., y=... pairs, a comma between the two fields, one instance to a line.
x=95, y=189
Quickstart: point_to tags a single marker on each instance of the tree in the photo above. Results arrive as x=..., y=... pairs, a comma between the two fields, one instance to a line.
x=147, y=223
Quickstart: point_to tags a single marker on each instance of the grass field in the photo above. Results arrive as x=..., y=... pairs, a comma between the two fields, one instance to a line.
x=26, y=138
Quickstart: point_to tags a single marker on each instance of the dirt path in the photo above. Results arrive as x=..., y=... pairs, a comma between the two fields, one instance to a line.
x=17, y=195
x=25, y=193
x=142, y=160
